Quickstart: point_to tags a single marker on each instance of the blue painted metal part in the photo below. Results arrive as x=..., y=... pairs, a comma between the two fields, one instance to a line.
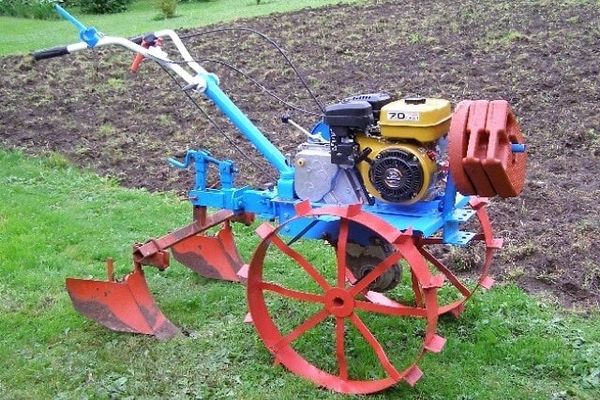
x=454, y=213
x=202, y=160
x=321, y=129
x=254, y=135
x=443, y=214
x=518, y=147
x=89, y=35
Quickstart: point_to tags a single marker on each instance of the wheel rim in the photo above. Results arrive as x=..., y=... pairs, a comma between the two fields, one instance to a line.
x=463, y=290
x=343, y=304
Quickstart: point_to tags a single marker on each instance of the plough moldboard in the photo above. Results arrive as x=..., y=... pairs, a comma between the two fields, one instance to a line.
x=388, y=186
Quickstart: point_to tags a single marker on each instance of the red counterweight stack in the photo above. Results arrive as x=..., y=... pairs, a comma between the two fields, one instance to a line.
x=481, y=138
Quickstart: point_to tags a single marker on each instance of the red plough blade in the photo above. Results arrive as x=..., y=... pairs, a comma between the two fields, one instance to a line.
x=213, y=257
x=125, y=306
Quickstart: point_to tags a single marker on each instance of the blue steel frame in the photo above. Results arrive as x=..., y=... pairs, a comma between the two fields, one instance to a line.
x=87, y=34
x=443, y=214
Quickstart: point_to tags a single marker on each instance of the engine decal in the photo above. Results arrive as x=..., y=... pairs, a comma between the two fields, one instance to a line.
x=398, y=115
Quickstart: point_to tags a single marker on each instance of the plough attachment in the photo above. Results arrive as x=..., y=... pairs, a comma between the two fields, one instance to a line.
x=127, y=305
x=213, y=257
x=124, y=306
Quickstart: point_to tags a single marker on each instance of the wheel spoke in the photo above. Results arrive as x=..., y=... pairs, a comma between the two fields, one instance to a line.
x=340, y=347
x=383, y=266
x=341, y=253
x=379, y=351
x=300, y=260
x=292, y=294
x=398, y=310
x=444, y=270
x=310, y=323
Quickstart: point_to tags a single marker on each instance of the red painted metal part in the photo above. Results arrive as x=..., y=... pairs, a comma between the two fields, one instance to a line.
x=340, y=302
x=137, y=60
x=491, y=244
x=464, y=291
x=504, y=169
x=128, y=305
x=480, y=149
x=213, y=257
x=125, y=306
x=458, y=141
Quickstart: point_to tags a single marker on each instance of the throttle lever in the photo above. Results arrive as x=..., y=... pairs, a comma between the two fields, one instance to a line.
x=147, y=41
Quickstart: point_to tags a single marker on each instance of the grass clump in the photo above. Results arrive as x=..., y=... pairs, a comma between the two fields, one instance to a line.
x=167, y=8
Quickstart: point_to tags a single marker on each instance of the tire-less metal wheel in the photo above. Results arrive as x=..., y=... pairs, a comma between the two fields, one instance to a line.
x=323, y=328
x=467, y=268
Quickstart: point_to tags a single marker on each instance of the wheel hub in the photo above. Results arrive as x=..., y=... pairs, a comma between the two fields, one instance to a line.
x=339, y=303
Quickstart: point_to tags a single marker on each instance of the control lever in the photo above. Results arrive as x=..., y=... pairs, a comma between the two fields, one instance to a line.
x=147, y=41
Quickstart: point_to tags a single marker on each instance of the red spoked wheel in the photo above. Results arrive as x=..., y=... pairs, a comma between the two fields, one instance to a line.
x=480, y=251
x=323, y=328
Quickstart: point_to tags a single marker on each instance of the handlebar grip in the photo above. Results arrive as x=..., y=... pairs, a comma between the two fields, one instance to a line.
x=50, y=53
x=137, y=39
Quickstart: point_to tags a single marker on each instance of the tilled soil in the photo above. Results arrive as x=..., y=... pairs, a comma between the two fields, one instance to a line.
x=541, y=56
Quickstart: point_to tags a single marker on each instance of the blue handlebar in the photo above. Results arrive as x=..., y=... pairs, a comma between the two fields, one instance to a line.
x=89, y=35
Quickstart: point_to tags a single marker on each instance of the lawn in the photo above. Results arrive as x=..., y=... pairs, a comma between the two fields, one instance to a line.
x=20, y=35
x=56, y=221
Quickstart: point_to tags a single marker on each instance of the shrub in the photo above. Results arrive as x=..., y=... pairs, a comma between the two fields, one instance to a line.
x=38, y=9
x=103, y=6
x=167, y=7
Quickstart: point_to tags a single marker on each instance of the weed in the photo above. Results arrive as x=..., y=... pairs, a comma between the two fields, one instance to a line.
x=511, y=36
x=116, y=83
x=106, y=129
x=415, y=38
x=56, y=160
x=165, y=120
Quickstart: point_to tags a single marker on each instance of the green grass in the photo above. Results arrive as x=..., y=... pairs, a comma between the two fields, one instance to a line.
x=56, y=221
x=20, y=35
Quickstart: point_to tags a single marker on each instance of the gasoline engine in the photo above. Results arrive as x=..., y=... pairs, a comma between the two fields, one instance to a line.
x=379, y=149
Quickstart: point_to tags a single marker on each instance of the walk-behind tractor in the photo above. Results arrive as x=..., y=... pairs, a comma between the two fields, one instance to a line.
x=392, y=192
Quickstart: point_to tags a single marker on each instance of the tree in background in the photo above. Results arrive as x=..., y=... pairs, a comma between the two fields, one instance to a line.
x=103, y=6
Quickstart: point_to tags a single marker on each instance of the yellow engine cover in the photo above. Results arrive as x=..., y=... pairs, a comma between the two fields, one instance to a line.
x=424, y=120
x=389, y=184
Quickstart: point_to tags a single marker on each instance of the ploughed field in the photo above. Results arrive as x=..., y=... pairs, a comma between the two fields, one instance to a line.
x=541, y=56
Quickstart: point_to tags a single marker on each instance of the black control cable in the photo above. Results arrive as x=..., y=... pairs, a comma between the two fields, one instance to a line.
x=217, y=126
x=272, y=43
x=251, y=79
